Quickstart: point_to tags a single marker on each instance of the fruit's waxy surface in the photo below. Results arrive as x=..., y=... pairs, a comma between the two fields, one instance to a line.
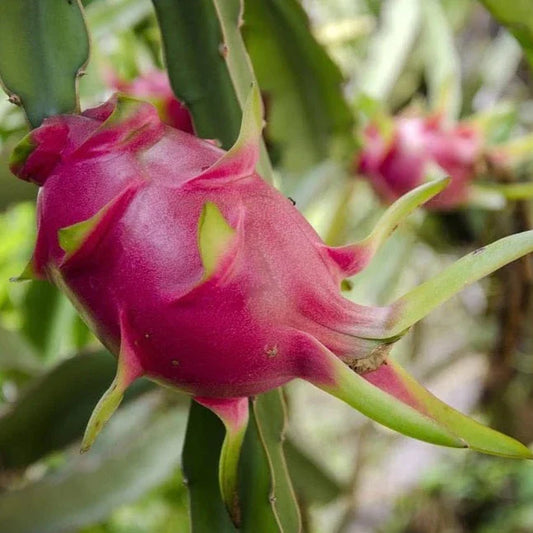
x=196, y=273
x=122, y=214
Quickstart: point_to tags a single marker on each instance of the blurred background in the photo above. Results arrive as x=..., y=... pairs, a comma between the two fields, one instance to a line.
x=325, y=71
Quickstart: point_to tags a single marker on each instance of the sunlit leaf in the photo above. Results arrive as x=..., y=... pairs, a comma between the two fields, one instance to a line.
x=443, y=70
x=517, y=17
x=390, y=47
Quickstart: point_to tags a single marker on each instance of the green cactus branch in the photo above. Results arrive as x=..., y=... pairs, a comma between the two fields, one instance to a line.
x=45, y=46
x=198, y=74
x=240, y=68
x=202, y=42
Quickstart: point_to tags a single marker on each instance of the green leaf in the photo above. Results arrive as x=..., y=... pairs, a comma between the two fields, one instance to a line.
x=202, y=41
x=268, y=498
x=256, y=483
x=123, y=465
x=229, y=468
x=54, y=410
x=476, y=436
x=201, y=450
x=311, y=482
x=72, y=238
x=390, y=47
x=386, y=408
x=44, y=46
x=442, y=66
x=301, y=84
x=28, y=274
x=517, y=17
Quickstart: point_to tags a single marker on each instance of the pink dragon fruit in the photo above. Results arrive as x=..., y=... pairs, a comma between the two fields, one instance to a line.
x=401, y=163
x=154, y=86
x=198, y=274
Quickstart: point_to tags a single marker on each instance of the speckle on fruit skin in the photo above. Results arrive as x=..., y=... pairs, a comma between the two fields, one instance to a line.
x=271, y=351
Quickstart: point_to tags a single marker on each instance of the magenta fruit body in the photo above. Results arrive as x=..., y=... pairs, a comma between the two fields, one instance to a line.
x=400, y=164
x=198, y=274
x=138, y=278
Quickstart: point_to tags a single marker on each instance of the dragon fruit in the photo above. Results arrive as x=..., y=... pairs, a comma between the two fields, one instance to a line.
x=198, y=274
x=416, y=147
x=154, y=86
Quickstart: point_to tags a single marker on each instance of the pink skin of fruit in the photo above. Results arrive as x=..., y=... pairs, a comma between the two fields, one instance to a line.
x=402, y=163
x=139, y=275
x=197, y=273
x=154, y=86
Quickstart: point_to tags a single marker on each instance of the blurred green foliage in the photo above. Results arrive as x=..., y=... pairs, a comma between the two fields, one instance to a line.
x=163, y=509
x=472, y=496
